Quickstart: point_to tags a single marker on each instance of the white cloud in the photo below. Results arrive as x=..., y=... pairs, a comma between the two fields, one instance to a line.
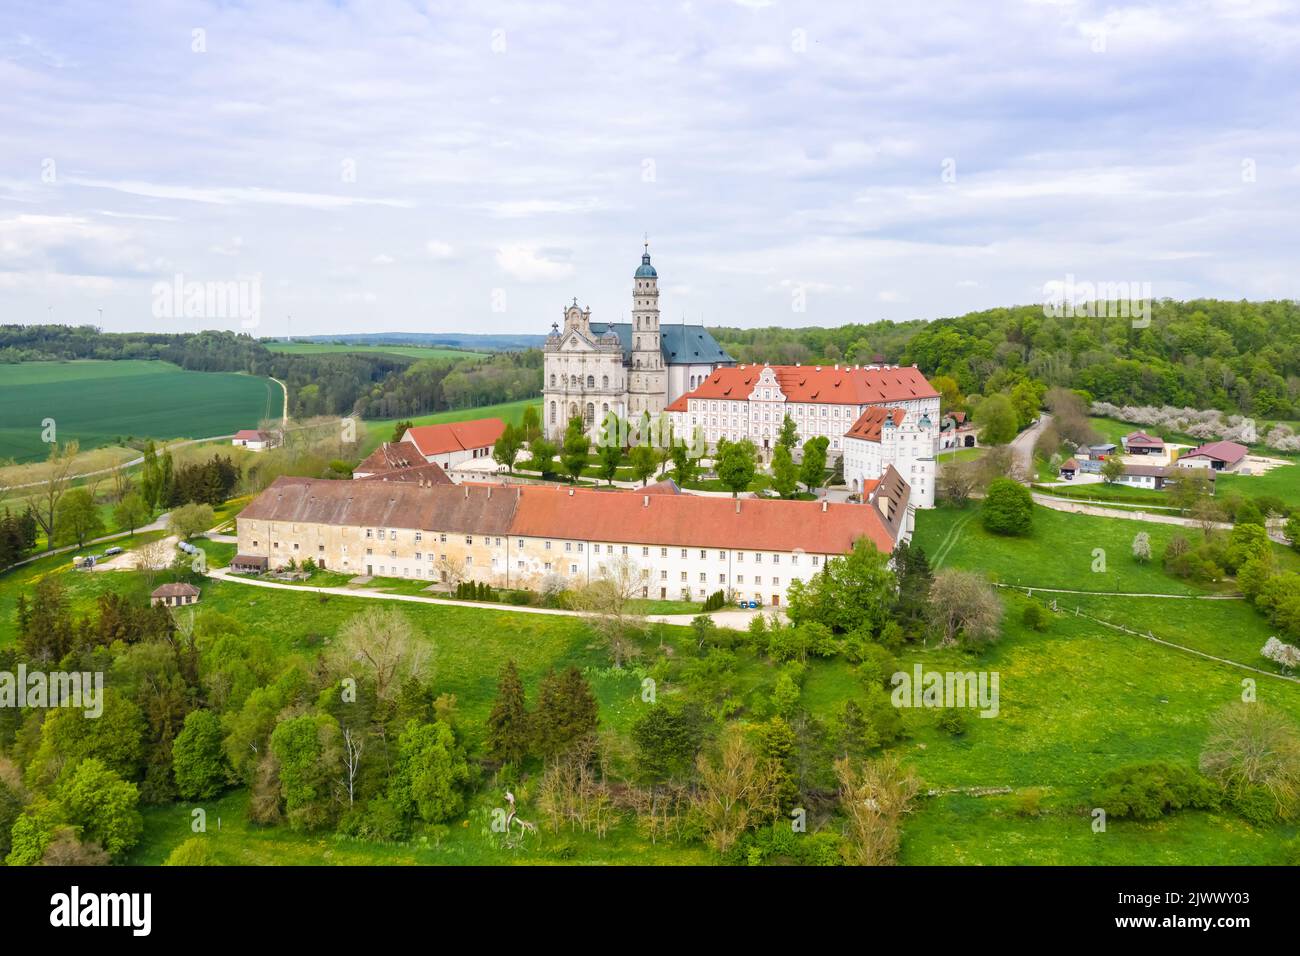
x=438, y=249
x=528, y=264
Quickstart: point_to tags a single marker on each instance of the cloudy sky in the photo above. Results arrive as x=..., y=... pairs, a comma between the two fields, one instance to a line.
x=377, y=165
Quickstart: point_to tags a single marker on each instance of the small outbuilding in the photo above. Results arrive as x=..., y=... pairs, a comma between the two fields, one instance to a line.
x=176, y=594
x=249, y=563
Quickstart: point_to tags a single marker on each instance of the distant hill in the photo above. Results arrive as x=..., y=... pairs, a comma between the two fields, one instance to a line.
x=455, y=340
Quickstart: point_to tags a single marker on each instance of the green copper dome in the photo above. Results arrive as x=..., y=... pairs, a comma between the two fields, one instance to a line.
x=645, y=270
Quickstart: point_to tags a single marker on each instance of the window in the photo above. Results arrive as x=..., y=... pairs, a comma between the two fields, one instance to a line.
x=816, y=559
x=625, y=551
x=418, y=537
x=722, y=579
x=740, y=579
x=369, y=551
x=722, y=556
x=573, y=569
x=370, y=533
x=683, y=575
x=683, y=552
x=645, y=552
x=443, y=537
x=417, y=555
x=663, y=552
x=295, y=546
x=580, y=547
x=663, y=575
x=381, y=534
x=703, y=554
x=548, y=546
x=568, y=546
x=521, y=542
x=547, y=566
x=704, y=578
x=776, y=559
x=595, y=549
x=469, y=539
x=758, y=558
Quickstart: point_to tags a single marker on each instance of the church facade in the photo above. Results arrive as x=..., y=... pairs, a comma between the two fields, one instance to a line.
x=630, y=368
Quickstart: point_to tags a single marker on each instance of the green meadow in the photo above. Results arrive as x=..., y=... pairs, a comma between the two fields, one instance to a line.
x=1076, y=700
x=98, y=402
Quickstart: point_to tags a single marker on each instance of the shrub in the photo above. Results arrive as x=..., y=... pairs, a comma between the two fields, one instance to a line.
x=1146, y=791
x=953, y=721
x=1008, y=508
x=1036, y=616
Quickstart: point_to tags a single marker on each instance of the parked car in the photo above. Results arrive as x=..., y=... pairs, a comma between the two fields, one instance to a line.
x=109, y=552
x=753, y=604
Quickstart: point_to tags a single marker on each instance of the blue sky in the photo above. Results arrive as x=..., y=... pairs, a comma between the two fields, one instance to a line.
x=473, y=167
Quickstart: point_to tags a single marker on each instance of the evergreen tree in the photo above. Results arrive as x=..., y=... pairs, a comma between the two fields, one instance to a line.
x=508, y=724
x=566, y=711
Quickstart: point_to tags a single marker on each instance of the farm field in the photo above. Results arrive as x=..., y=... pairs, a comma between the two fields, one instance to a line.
x=99, y=402
x=1077, y=699
x=409, y=351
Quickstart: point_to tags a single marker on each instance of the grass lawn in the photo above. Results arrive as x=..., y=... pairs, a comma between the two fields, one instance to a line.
x=381, y=430
x=1100, y=491
x=1059, y=553
x=1283, y=482
x=1074, y=701
x=99, y=402
x=407, y=351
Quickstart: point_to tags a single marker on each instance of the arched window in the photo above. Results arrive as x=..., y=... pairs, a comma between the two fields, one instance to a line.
x=552, y=380
x=604, y=381
x=591, y=414
x=591, y=381
x=638, y=363
x=552, y=413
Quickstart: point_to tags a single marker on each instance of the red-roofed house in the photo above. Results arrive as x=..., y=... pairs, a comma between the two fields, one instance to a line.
x=454, y=442
x=890, y=436
x=1140, y=443
x=750, y=401
x=255, y=440
x=1219, y=455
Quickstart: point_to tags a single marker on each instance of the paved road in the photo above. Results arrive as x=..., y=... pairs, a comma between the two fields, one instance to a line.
x=734, y=618
x=158, y=524
x=1022, y=446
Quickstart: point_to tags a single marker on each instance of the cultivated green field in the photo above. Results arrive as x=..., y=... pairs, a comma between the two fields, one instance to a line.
x=97, y=402
x=409, y=351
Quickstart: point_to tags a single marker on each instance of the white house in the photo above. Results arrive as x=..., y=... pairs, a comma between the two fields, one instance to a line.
x=255, y=440
x=752, y=401
x=891, y=436
x=450, y=444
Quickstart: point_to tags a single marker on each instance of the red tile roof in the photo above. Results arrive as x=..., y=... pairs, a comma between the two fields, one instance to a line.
x=455, y=436
x=390, y=456
x=870, y=422
x=175, y=589
x=845, y=384
x=639, y=516
x=430, y=473
x=697, y=521
x=1228, y=452
x=1143, y=440
x=251, y=434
